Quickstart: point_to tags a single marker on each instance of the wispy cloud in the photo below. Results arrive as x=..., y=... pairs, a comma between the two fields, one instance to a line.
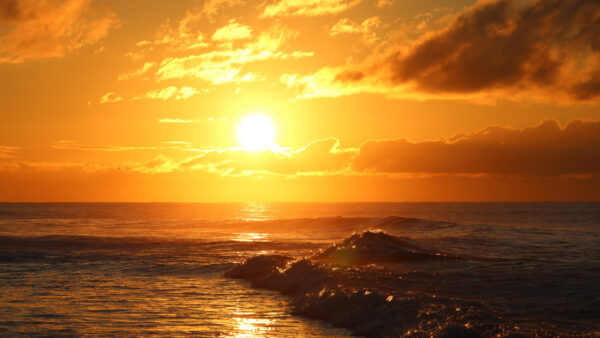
x=210, y=8
x=7, y=151
x=232, y=31
x=307, y=7
x=110, y=97
x=171, y=92
x=319, y=157
x=138, y=72
x=339, y=81
x=225, y=65
x=182, y=36
x=384, y=3
x=37, y=29
x=366, y=28
x=71, y=145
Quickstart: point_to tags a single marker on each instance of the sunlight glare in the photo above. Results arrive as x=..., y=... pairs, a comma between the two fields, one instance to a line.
x=256, y=132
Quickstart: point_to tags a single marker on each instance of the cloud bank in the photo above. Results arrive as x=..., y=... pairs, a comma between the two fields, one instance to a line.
x=540, y=152
x=543, y=150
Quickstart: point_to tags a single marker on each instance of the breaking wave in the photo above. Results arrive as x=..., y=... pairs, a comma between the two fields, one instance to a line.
x=378, y=247
x=350, y=285
x=329, y=288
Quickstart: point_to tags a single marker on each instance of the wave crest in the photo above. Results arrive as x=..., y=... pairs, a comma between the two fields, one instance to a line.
x=377, y=247
x=341, y=294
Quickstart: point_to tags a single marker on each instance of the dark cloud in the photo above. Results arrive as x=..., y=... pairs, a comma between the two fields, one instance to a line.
x=588, y=89
x=544, y=150
x=11, y=10
x=551, y=45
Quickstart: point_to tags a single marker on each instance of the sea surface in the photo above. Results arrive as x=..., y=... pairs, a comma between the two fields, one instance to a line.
x=378, y=269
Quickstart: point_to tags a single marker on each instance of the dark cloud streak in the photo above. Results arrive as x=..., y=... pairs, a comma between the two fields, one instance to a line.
x=543, y=150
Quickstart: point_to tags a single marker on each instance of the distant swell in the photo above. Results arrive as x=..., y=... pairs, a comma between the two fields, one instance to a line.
x=96, y=242
x=62, y=248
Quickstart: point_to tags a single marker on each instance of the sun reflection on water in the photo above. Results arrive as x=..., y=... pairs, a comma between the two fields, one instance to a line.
x=251, y=327
x=249, y=237
x=256, y=212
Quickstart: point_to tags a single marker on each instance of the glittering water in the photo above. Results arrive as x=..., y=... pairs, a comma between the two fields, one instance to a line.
x=140, y=269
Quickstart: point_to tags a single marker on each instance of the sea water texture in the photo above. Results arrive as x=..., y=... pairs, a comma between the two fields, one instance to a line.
x=282, y=270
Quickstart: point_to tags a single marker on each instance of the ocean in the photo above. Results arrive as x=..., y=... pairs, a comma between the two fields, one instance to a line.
x=300, y=269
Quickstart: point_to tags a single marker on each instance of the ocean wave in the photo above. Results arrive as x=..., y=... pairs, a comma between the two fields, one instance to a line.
x=388, y=223
x=343, y=296
x=425, y=292
x=378, y=247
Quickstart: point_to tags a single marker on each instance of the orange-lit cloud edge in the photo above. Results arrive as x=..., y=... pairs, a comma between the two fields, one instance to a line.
x=545, y=150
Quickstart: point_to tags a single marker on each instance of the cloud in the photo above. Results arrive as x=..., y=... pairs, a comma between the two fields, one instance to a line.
x=183, y=36
x=384, y=3
x=498, y=45
x=171, y=92
x=232, y=31
x=336, y=82
x=138, y=72
x=543, y=150
x=37, y=29
x=319, y=157
x=225, y=65
x=7, y=152
x=159, y=164
x=71, y=145
x=307, y=7
x=38, y=167
x=544, y=50
x=366, y=28
x=210, y=8
x=215, y=67
x=110, y=97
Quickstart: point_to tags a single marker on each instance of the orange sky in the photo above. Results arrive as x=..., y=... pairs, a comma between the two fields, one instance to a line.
x=372, y=100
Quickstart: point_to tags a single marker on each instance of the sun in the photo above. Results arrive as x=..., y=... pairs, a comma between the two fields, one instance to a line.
x=256, y=132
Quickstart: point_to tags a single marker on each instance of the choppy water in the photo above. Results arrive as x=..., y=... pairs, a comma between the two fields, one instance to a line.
x=138, y=269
